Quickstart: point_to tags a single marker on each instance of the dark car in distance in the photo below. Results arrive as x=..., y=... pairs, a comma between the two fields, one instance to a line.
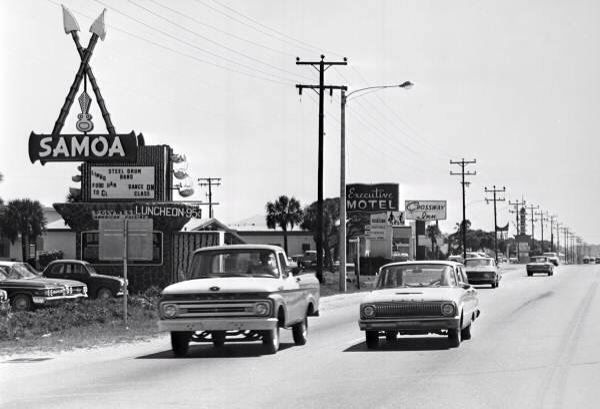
x=26, y=288
x=99, y=285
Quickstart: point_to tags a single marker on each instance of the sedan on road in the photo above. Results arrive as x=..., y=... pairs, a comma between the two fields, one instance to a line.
x=99, y=285
x=540, y=264
x=419, y=298
x=483, y=271
x=26, y=287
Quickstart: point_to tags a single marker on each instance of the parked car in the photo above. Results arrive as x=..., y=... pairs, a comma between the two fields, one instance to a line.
x=419, y=297
x=473, y=254
x=350, y=271
x=456, y=258
x=309, y=259
x=597, y=260
x=586, y=260
x=483, y=271
x=540, y=264
x=26, y=287
x=238, y=292
x=513, y=260
x=552, y=257
x=99, y=285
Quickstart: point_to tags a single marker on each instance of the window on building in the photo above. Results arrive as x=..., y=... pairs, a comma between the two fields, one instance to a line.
x=90, y=252
x=305, y=246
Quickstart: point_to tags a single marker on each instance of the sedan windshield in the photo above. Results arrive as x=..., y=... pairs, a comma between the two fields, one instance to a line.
x=22, y=271
x=416, y=275
x=235, y=263
x=479, y=262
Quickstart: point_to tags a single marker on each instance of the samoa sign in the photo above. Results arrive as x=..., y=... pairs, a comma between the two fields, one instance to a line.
x=425, y=210
x=83, y=148
x=377, y=198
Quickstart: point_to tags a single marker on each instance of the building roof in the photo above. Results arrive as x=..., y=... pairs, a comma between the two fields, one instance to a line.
x=242, y=247
x=57, y=225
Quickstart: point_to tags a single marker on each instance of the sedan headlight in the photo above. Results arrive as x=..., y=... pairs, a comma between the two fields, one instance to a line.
x=448, y=309
x=262, y=308
x=170, y=310
x=368, y=311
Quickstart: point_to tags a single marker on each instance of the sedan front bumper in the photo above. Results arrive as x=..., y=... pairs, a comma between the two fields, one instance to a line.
x=218, y=324
x=409, y=324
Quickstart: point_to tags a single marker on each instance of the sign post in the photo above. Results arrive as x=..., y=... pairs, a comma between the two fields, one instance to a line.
x=125, y=291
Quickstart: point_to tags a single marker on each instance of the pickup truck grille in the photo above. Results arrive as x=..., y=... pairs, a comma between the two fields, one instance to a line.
x=408, y=309
x=216, y=309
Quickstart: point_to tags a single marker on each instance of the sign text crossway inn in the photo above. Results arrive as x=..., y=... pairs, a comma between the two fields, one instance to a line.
x=376, y=198
x=426, y=210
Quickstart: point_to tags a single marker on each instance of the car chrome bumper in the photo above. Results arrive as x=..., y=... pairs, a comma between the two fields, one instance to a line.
x=53, y=300
x=410, y=324
x=217, y=324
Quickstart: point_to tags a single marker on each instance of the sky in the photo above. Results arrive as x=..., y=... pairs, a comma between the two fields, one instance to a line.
x=509, y=83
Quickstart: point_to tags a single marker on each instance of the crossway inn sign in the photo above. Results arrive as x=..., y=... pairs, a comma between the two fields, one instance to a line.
x=57, y=147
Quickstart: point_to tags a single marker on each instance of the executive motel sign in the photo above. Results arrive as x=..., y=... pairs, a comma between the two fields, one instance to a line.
x=377, y=198
x=56, y=147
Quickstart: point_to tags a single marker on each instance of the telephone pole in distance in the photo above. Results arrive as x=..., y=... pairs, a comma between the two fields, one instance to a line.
x=532, y=208
x=210, y=182
x=321, y=67
x=493, y=190
x=517, y=204
x=463, y=163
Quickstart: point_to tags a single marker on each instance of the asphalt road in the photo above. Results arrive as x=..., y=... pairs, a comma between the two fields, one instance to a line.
x=536, y=345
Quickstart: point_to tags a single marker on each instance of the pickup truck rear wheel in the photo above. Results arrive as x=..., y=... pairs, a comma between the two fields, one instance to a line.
x=454, y=336
x=300, y=331
x=271, y=340
x=466, y=332
x=180, y=342
x=372, y=339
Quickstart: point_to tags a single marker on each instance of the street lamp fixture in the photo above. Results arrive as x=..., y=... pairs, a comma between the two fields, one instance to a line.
x=342, y=239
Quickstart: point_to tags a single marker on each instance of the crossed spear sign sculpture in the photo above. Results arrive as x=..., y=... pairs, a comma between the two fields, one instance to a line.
x=98, y=31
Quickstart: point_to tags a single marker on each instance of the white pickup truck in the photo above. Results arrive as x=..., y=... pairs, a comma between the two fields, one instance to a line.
x=238, y=293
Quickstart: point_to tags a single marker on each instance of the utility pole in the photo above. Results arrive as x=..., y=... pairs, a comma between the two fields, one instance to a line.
x=552, y=220
x=532, y=208
x=493, y=190
x=517, y=204
x=558, y=238
x=210, y=182
x=542, y=219
x=320, y=66
x=462, y=163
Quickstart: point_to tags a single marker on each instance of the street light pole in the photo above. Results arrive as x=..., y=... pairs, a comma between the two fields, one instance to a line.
x=342, y=238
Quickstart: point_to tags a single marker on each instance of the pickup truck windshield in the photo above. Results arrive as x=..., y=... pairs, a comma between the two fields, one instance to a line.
x=235, y=263
x=416, y=275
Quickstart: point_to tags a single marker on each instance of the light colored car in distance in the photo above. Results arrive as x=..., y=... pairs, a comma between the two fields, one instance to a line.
x=482, y=270
x=552, y=257
x=419, y=298
x=243, y=292
x=456, y=258
x=540, y=264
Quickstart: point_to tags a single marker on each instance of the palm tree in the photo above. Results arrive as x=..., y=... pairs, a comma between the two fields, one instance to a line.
x=432, y=232
x=284, y=212
x=23, y=217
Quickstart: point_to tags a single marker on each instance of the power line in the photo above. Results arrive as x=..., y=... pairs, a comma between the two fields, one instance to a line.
x=493, y=190
x=210, y=182
x=189, y=44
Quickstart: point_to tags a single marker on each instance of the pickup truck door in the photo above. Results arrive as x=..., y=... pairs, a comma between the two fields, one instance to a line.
x=294, y=296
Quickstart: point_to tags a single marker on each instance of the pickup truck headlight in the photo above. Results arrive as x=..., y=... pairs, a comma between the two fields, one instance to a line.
x=448, y=309
x=368, y=311
x=262, y=308
x=170, y=310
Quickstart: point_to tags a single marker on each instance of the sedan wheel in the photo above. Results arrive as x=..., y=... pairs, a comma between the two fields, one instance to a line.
x=22, y=302
x=180, y=342
x=300, y=331
x=271, y=341
x=454, y=337
x=372, y=339
x=218, y=338
x=391, y=336
x=103, y=293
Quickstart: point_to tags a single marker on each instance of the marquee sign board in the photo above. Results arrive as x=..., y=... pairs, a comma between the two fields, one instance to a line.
x=83, y=148
x=122, y=182
x=426, y=210
x=377, y=198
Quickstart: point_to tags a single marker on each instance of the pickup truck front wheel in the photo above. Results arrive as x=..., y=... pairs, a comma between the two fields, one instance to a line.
x=271, y=340
x=180, y=342
x=300, y=331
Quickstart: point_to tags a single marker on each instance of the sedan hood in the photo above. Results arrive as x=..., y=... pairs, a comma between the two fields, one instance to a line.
x=414, y=294
x=226, y=285
x=38, y=283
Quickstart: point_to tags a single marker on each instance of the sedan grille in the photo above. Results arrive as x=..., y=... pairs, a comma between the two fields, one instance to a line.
x=408, y=309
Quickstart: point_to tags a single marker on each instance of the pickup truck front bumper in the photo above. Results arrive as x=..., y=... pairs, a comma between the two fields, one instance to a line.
x=218, y=324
